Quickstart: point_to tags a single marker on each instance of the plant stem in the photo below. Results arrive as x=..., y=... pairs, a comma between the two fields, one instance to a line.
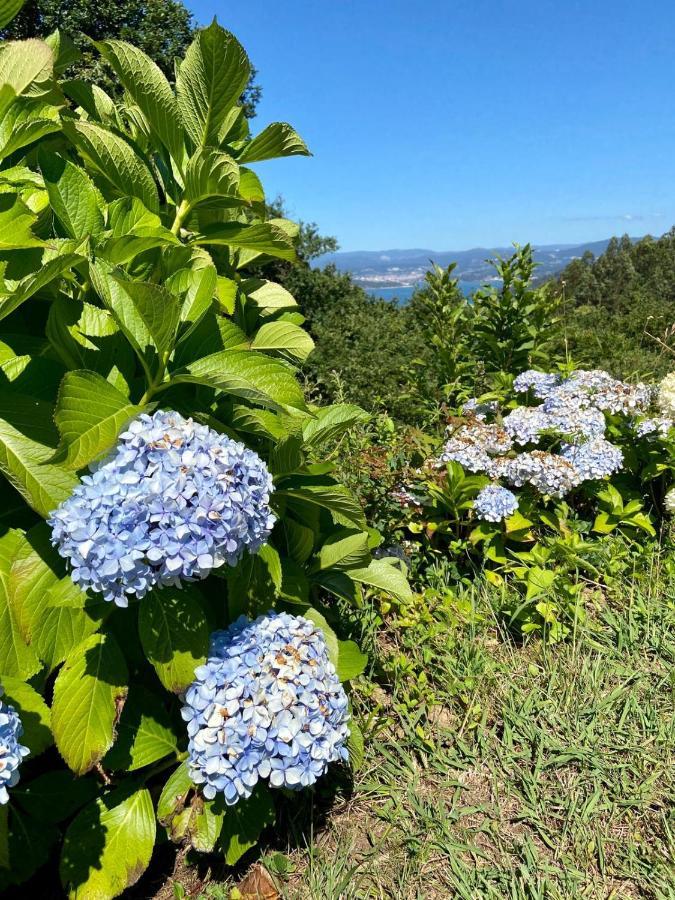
x=182, y=212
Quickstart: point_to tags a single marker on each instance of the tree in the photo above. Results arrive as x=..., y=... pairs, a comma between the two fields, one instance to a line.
x=162, y=28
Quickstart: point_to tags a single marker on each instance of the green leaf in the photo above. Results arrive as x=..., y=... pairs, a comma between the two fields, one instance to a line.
x=26, y=67
x=247, y=374
x=355, y=746
x=27, y=440
x=344, y=550
x=109, y=845
x=144, y=733
x=64, y=49
x=385, y=577
x=8, y=10
x=210, y=173
x=17, y=658
x=145, y=82
x=263, y=238
x=33, y=711
x=159, y=312
x=244, y=823
x=174, y=633
x=55, y=796
x=329, y=636
x=25, y=122
x=16, y=222
x=331, y=422
x=54, y=264
x=278, y=139
x=73, y=197
x=89, y=414
x=209, y=82
x=114, y=159
x=30, y=845
x=284, y=337
x=174, y=793
x=88, y=692
x=267, y=296
x=351, y=661
x=206, y=823
x=337, y=499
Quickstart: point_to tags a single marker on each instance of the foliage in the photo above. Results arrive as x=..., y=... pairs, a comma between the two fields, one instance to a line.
x=128, y=236
x=163, y=29
x=619, y=308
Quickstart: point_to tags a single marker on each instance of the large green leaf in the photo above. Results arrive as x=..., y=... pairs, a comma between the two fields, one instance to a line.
x=30, y=845
x=196, y=284
x=89, y=415
x=33, y=711
x=27, y=442
x=268, y=297
x=26, y=67
x=54, y=264
x=16, y=222
x=344, y=550
x=144, y=733
x=159, y=312
x=114, y=159
x=351, y=661
x=209, y=82
x=278, y=139
x=37, y=580
x=174, y=793
x=247, y=374
x=55, y=796
x=284, y=337
x=88, y=694
x=174, y=632
x=210, y=173
x=25, y=122
x=109, y=844
x=263, y=238
x=385, y=576
x=337, y=499
x=73, y=197
x=145, y=82
x=331, y=422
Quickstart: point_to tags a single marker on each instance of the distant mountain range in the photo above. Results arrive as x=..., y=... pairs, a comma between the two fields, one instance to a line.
x=404, y=268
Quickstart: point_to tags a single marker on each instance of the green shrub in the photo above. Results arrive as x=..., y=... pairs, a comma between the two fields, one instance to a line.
x=127, y=235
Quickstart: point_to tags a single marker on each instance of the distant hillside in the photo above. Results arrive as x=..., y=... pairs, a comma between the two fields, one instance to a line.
x=402, y=268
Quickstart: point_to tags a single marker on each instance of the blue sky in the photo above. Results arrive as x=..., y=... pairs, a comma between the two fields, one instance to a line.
x=449, y=125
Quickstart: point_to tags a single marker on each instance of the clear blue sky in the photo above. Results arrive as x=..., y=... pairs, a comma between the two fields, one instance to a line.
x=449, y=124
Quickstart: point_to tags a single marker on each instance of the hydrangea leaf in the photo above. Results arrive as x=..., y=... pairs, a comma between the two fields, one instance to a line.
x=174, y=793
x=88, y=694
x=175, y=634
x=76, y=203
x=111, y=156
x=344, y=550
x=210, y=173
x=244, y=823
x=331, y=422
x=337, y=499
x=34, y=714
x=17, y=658
x=285, y=338
x=355, y=746
x=276, y=140
x=27, y=440
x=158, y=309
x=385, y=576
x=247, y=374
x=90, y=413
x=109, y=844
x=263, y=238
x=8, y=10
x=147, y=85
x=209, y=82
x=16, y=222
x=351, y=661
x=27, y=67
x=268, y=296
x=54, y=264
x=30, y=845
x=144, y=733
x=206, y=823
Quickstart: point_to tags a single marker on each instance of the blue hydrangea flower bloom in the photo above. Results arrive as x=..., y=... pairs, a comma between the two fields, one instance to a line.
x=495, y=503
x=594, y=459
x=540, y=383
x=267, y=704
x=11, y=751
x=173, y=501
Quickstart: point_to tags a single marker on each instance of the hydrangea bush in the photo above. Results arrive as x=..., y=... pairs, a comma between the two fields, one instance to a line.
x=172, y=536
x=526, y=487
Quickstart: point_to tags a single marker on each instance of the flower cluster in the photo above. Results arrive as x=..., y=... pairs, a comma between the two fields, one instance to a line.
x=173, y=501
x=548, y=473
x=666, y=395
x=540, y=383
x=495, y=503
x=267, y=704
x=11, y=751
x=472, y=445
x=659, y=426
x=669, y=501
x=593, y=459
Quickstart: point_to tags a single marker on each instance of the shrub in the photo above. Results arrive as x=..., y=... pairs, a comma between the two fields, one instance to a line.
x=136, y=342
